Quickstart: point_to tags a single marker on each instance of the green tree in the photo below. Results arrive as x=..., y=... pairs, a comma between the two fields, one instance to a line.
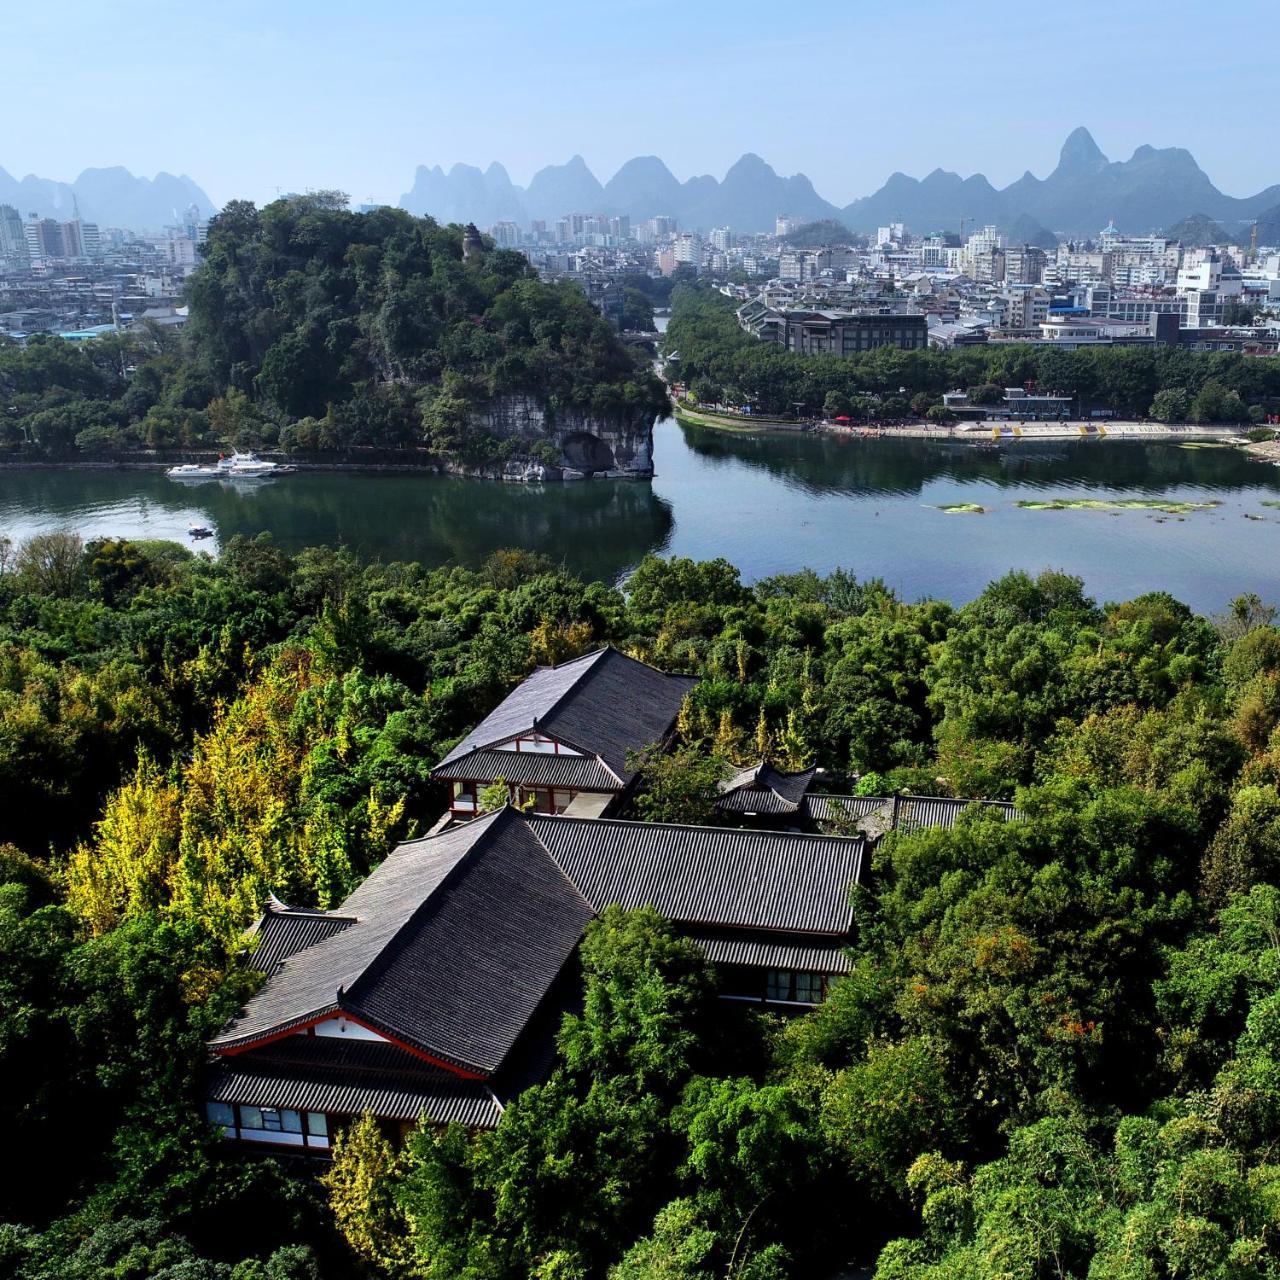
x=362, y=1183
x=1170, y=405
x=677, y=786
x=579, y=1164
x=51, y=564
x=836, y=405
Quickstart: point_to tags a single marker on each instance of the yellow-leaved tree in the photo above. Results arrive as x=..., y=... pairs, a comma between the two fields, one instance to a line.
x=209, y=840
x=362, y=1183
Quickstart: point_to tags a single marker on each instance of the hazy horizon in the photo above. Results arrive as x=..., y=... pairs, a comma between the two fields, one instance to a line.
x=248, y=102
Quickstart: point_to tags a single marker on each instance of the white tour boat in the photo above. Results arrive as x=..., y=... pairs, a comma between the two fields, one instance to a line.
x=239, y=466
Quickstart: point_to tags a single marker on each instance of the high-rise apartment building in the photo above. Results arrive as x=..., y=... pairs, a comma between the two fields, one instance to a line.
x=48, y=240
x=1023, y=264
x=689, y=249
x=13, y=239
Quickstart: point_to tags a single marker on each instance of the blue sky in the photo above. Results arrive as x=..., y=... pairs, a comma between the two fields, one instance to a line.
x=248, y=97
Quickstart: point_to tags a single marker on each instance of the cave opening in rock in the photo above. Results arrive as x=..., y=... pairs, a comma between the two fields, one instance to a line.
x=586, y=452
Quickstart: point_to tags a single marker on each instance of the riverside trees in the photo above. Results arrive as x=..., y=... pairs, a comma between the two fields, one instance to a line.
x=1167, y=383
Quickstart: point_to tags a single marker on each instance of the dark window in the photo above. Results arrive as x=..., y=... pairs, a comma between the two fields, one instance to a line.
x=222, y=1113
x=465, y=797
x=795, y=987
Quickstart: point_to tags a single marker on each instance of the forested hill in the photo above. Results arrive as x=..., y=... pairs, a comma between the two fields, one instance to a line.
x=375, y=316
x=314, y=327
x=1057, y=1053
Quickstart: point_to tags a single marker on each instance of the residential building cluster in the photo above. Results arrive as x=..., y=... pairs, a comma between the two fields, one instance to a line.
x=1115, y=290
x=981, y=286
x=78, y=280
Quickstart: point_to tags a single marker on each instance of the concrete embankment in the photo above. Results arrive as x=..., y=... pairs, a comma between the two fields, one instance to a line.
x=1265, y=450
x=1008, y=432
x=725, y=422
x=999, y=431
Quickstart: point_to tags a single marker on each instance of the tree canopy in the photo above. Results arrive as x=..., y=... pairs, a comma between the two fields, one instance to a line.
x=1052, y=1053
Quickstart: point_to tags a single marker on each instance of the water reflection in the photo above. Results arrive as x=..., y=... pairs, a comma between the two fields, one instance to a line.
x=822, y=464
x=768, y=504
x=599, y=528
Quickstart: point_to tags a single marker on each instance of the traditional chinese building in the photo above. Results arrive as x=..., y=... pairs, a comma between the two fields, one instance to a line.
x=763, y=796
x=436, y=988
x=764, y=793
x=561, y=739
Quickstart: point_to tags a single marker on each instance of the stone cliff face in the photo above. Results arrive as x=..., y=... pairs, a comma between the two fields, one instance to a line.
x=589, y=445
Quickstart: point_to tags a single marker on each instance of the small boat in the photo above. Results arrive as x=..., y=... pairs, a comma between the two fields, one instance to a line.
x=193, y=471
x=247, y=465
x=199, y=531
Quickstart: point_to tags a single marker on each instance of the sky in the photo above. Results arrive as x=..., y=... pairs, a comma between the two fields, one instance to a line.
x=284, y=95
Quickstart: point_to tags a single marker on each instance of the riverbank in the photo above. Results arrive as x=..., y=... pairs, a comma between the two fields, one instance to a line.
x=511, y=472
x=1009, y=432
x=1264, y=450
x=724, y=422
x=991, y=430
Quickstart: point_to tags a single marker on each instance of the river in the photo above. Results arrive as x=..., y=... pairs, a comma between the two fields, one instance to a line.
x=768, y=503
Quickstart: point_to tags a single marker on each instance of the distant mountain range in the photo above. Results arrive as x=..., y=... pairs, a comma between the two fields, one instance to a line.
x=109, y=197
x=1153, y=189
x=749, y=198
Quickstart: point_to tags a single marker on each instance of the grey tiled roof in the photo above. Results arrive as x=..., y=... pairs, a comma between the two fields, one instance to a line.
x=459, y=937
x=308, y=983
x=283, y=932
x=488, y=942
x=916, y=812
x=430, y=959
x=603, y=703
x=878, y=814
x=316, y=1073
x=533, y=768
x=708, y=875
x=824, y=808
x=766, y=953
x=764, y=789
x=467, y=1102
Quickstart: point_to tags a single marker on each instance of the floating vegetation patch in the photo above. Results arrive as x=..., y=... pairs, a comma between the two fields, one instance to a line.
x=1205, y=444
x=1271, y=502
x=969, y=508
x=1168, y=506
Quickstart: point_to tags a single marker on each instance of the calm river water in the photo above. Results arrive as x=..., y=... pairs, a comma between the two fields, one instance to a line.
x=767, y=503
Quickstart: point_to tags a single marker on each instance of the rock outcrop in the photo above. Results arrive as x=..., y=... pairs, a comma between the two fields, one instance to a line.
x=588, y=445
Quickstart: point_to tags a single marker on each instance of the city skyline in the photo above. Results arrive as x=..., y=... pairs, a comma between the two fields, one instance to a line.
x=330, y=100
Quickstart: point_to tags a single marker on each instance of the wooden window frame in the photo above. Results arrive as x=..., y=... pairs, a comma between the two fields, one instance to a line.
x=778, y=979
x=523, y=793
x=314, y=1131
x=458, y=788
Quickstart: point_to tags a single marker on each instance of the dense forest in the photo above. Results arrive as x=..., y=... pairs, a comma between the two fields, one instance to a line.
x=720, y=362
x=312, y=327
x=1056, y=1055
